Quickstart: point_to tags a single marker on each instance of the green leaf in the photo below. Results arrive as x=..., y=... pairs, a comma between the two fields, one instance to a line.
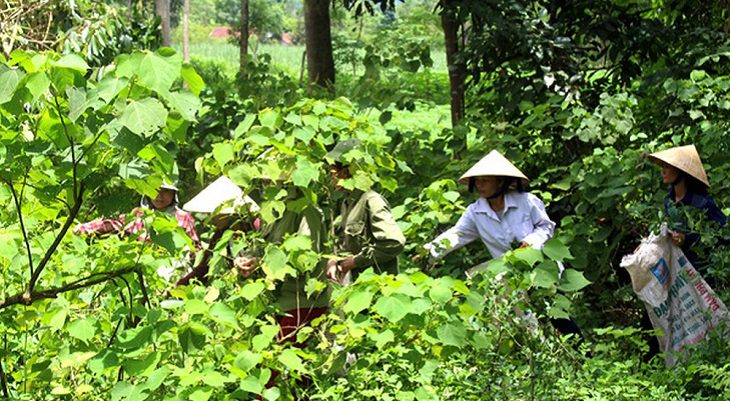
x=291, y=360
x=275, y=263
x=573, y=280
x=223, y=153
x=545, y=275
x=305, y=172
x=358, y=301
x=252, y=385
x=192, y=337
x=252, y=290
x=452, y=334
x=156, y=378
x=137, y=366
x=247, y=360
x=556, y=250
x=441, y=291
x=304, y=134
x=9, y=80
x=528, y=255
x=244, y=125
x=76, y=103
x=272, y=394
x=201, y=394
x=222, y=314
x=382, y=338
x=393, y=307
x=158, y=73
x=103, y=360
x=185, y=103
x=298, y=243
x=83, y=329
x=135, y=338
x=191, y=77
x=196, y=307
x=144, y=117
x=559, y=307
x=262, y=341
x=73, y=62
x=451, y=196
x=128, y=64
x=37, y=84
x=270, y=118
x=214, y=378
x=109, y=87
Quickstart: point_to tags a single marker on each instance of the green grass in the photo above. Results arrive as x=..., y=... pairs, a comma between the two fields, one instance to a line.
x=288, y=58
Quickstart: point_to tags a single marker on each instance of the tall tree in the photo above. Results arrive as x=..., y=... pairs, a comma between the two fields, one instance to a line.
x=162, y=9
x=186, y=33
x=243, y=45
x=457, y=69
x=318, y=39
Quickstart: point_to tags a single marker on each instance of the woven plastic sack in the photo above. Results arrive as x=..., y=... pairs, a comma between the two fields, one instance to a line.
x=680, y=303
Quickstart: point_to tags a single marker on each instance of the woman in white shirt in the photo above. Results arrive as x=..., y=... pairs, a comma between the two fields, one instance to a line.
x=503, y=216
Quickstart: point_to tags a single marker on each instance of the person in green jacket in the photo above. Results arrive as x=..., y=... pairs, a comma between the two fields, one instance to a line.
x=367, y=233
x=290, y=294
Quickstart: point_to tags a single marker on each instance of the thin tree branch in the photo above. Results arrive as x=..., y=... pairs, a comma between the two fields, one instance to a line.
x=71, y=141
x=145, y=298
x=28, y=297
x=69, y=220
x=22, y=225
x=4, y=381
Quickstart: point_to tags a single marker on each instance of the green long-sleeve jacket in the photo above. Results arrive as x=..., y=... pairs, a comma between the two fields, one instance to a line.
x=291, y=293
x=366, y=229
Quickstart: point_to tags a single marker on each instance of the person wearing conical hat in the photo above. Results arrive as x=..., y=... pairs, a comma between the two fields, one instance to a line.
x=503, y=215
x=224, y=201
x=682, y=170
x=166, y=202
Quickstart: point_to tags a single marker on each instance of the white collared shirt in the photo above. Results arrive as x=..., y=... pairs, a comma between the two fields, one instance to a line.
x=523, y=219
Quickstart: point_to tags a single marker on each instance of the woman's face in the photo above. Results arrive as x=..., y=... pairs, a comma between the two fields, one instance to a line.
x=163, y=199
x=669, y=173
x=487, y=185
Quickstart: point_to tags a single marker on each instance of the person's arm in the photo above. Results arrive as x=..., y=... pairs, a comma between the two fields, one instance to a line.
x=388, y=240
x=99, y=226
x=187, y=222
x=464, y=232
x=543, y=227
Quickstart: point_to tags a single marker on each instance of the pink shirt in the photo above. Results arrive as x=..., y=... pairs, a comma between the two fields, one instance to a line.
x=105, y=226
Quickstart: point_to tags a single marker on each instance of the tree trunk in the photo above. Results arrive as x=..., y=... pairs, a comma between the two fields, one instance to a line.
x=162, y=8
x=457, y=70
x=318, y=40
x=243, y=43
x=185, y=32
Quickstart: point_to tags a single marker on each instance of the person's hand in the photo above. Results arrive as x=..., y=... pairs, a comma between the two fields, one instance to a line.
x=677, y=238
x=336, y=269
x=244, y=265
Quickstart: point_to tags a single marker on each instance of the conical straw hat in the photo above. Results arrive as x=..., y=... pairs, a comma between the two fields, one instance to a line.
x=684, y=158
x=214, y=195
x=492, y=164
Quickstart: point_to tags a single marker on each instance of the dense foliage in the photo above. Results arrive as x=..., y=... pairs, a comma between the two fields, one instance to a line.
x=574, y=93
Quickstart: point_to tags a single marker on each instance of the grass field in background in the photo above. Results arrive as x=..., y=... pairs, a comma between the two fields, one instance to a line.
x=288, y=58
